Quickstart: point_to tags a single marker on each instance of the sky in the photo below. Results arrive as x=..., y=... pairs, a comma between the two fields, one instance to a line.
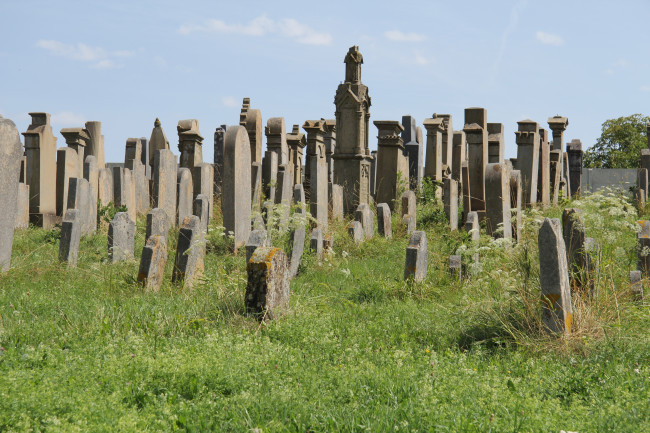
x=127, y=63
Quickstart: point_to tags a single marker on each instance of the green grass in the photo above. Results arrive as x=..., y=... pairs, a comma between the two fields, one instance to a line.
x=86, y=349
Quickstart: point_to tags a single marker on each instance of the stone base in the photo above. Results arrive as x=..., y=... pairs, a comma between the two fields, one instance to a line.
x=353, y=174
x=46, y=221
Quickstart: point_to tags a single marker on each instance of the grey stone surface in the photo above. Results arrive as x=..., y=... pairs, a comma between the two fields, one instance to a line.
x=76, y=139
x=558, y=125
x=66, y=168
x=70, y=237
x=276, y=139
x=201, y=209
x=184, y=194
x=121, y=238
x=497, y=200
x=123, y=190
x=392, y=164
x=364, y=216
x=417, y=256
x=477, y=157
x=22, y=210
x=219, y=141
x=622, y=179
x=355, y=230
x=236, y=197
x=152, y=263
x=455, y=266
x=257, y=238
x=467, y=194
x=409, y=222
x=297, y=248
x=636, y=285
x=472, y=226
x=132, y=151
x=316, y=242
x=251, y=119
x=496, y=142
x=450, y=200
x=190, y=143
x=283, y=195
x=413, y=150
x=105, y=186
x=433, y=167
x=91, y=174
x=642, y=182
x=157, y=224
x=516, y=200
x=574, y=153
x=297, y=142
x=373, y=173
x=527, y=138
x=268, y=290
x=336, y=201
x=330, y=147
x=164, y=183
x=95, y=145
x=409, y=204
x=299, y=199
x=190, y=252
x=256, y=185
x=270, y=174
x=384, y=223
x=10, y=161
x=317, y=160
x=79, y=198
x=557, y=312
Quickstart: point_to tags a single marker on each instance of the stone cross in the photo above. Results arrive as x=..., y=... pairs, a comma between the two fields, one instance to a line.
x=236, y=197
x=10, y=161
x=267, y=291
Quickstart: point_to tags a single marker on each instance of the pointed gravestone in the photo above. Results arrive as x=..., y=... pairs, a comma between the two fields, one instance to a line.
x=70, y=237
x=236, y=197
x=121, y=238
x=184, y=194
x=10, y=159
x=158, y=141
x=417, y=256
x=190, y=252
x=267, y=291
x=152, y=263
x=557, y=312
x=384, y=226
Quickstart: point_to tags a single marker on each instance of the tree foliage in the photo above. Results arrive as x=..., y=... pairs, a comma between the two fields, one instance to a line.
x=620, y=143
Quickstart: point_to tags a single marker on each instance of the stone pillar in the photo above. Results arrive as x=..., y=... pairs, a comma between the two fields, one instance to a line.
x=66, y=168
x=190, y=252
x=417, y=256
x=413, y=151
x=95, y=145
x=477, y=145
x=317, y=160
x=105, y=186
x=497, y=200
x=121, y=238
x=77, y=139
x=236, y=197
x=164, y=183
x=219, y=135
x=496, y=142
x=158, y=141
x=544, y=170
x=40, y=149
x=458, y=155
x=276, y=139
x=557, y=312
x=251, y=119
x=267, y=291
x=574, y=153
x=558, y=125
x=10, y=161
x=330, y=147
x=391, y=162
x=450, y=200
x=190, y=143
x=132, y=152
x=184, y=194
x=556, y=175
x=433, y=166
x=296, y=142
x=352, y=155
x=22, y=210
x=527, y=138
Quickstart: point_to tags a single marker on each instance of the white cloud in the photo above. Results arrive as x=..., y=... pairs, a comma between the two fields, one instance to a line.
x=97, y=56
x=67, y=118
x=230, y=101
x=549, y=39
x=420, y=59
x=645, y=88
x=260, y=26
x=396, y=35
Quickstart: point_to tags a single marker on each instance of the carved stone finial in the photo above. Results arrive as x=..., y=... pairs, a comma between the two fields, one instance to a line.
x=156, y=123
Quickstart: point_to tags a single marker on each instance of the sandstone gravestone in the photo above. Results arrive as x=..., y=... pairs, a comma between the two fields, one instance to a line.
x=557, y=312
x=91, y=174
x=157, y=224
x=105, y=186
x=458, y=155
x=297, y=248
x=66, y=168
x=477, y=157
x=152, y=263
x=121, y=238
x=184, y=194
x=270, y=174
x=190, y=144
x=364, y=216
x=70, y=237
x=200, y=209
x=497, y=200
x=384, y=226
x=95, y=145
x=330, y=146
x=392, y=165
x=558, y=125
x=409, y=204
x=573, y=231
x=123, y=190
x=336, y=201
x=76, y=139
x=190, y=252
x=283, y=195
x=251, y=119
x=257, y=238
x=165, y=183
x=556, y=175
x=434, y=162
x=317, y=160
x=22, y=208
x=417, y=256
x=267, y=291
x=527, y=159
x=276, y=139
x=316, y=243
x=355, y=230
x=236, y=197
x=79, y=198
x=10, y=160
x=544, y=169
x=299, y=199
x=296, y=142
x=450, y=200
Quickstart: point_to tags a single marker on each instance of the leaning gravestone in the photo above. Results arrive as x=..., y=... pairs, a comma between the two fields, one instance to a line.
x=636, y=285
x=121, y=238
x=557, y=312
x=383, y=221
x=152, y=263
x=10, y=158
x=70, y=237
x=190, y=252
x=417, y=256
x=267, y=292
x=157, y=224
x=236, y=197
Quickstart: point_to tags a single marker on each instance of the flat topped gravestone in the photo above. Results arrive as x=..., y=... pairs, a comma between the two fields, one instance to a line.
x=257, y=238
x=267, y=292
x=190, y=252
x=152, y=263
x=364, y=216
x=10, y=159
x=157, y=223
x=121, y=237
x=355, y=230
x=70, y=237
x=417, y=256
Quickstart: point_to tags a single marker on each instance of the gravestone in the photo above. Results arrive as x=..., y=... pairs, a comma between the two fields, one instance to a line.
x=105, y=186
x=573, y=232
x=145, y=157
x=317, y=160
x=497, y=200
x=22, y=209
x=447, y=139
x=122, y=190
x=296, y=142
x=450, y=200
x=467, y=194
x=257, y=238
x=373, y=173
x=364, y=216
x=558, y=125
x=251, y=119
x=121, y=238
x=10, y=161
x=392, y=165
x=299, y=199
x=276, y=139
x=66, y=168
x=267, y=291
x=256, y=185
x=190, y=144
x=527, y=138
x=516, y=199
x=636, y=286
x=158, y=141
x=297, y=248
x=355, y=230
x=409, y=222
x=152, y=263
x=557, y=312
x=434, y=162
x=556, y=175
x=642, y=182
x=70, y=237
x=201, y=210
x=544, y=169
x=316, y=243
x=190, y=252
x=79, y=198
x=384, y=226
x=330, y=146
x=566, y=177
x=133, y=161
x=477, y=157
x=41, y=173
x=184, y=194
x=336, y=201
x=458, y=155
x=219, y=137
x=236, y=197
x=132, y=151
x=352, y=155
x=283, y=195
x=76, y=139
x=574, y=154
x=473, y=227
x=95, y=146
x=455, y=266
x=417, y=256
x=409, y=204
x=157, y=224
x=270, y=174
x=413, y=150
x=165, y=183
x=496, y=142
x=643, y=247
x=91, y=174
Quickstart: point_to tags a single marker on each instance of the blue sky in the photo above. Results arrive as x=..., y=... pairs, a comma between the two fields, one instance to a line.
x=126, y=63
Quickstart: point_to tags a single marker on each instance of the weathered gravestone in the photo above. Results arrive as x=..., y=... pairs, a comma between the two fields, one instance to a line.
x=76, y=139
x=477, y=158
x=91, y=174
x=497, y=200
x=574, y=154
x=257, y=238
x=355, y=230
x=433, y=168
x=496, y=142
x=384, y=226
x=364, y=216
x=219, y=137
x=556, y=175
x=236, y=197
x=184, y=194
x=299, y=199
x=133, y=161
x=256, y=185
x=417, y=256
x=283, y=195
x=95, y=145
x=267, y=291
x=190, y=252
x=270, y=174
x=123, y=190
x=296, y=142
x=573, y=232
x=316, y=243
x=413, y=150
x=22, y=207
x=251, y=119
x=70, y=237
x=527, y=138
x=79, y=198
x=392, y=165
x=458, y=155
x=455, y=266
x=105, y=186
x=66, y=168
x=317, y=160
x=297, y=248
x=544, y=169
x=152, y=263
x=450, y=200
x=409, y=204
x=157, y=224
x=336, y=201
x=636, y=285
x=190, y=144
x=201, y=210
x=165, y=183
x=121, y=238
x=10, y=160
x=557, y=312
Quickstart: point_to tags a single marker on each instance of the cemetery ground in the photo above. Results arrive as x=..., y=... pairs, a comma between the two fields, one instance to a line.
x=360, y=349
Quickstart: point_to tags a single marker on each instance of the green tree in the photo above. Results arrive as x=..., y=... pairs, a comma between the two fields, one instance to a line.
x=620, y=143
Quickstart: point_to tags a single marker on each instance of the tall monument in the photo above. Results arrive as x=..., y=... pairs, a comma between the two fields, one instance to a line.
x=351, y=155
